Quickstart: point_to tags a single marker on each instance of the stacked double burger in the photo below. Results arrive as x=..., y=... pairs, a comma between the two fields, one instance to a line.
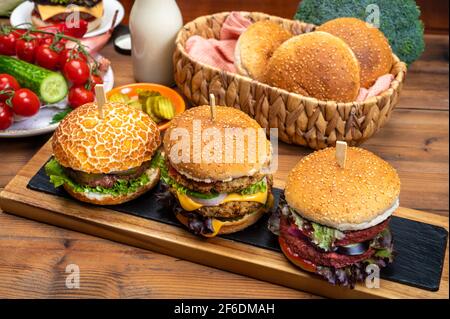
x=219, y=196
x=334, y=221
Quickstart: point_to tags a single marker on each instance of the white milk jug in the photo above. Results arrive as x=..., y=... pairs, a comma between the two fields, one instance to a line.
x=154, y=25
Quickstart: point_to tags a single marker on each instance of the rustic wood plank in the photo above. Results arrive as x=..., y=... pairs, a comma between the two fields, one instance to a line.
x=36, y=269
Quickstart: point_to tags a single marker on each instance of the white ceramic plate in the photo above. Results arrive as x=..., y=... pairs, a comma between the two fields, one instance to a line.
x=22, y=14
x=41, y=122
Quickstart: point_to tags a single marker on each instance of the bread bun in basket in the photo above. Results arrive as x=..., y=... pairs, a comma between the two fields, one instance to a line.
x=369, y=44
x=255, y=47
x=315, y=64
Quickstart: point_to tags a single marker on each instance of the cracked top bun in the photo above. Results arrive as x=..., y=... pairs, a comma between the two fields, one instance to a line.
x=315, y=64
x=255, y=47
x=367, y=42
x=228, y=164
x=347, y=198
x=123, y=139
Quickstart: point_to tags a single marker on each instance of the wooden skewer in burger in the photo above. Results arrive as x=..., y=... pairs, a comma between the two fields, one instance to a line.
x=103, y=153
x=334, y=218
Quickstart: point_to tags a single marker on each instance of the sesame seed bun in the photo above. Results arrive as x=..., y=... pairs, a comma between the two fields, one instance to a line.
x=101, y=199
x=227, y=165
x=315, y=64
x=369, y=44
x=124, y=139
x=356, y=197
x=255, y=47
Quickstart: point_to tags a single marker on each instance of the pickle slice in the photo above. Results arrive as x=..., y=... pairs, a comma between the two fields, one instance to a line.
x=149, y=110
x=119, y=98
x=163, y=108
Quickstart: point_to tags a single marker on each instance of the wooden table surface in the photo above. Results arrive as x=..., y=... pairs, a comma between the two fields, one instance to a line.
x=34, y=256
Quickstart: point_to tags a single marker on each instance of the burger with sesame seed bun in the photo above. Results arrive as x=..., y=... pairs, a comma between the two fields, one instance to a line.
x=334, y=221
x=228, y=192
x=315, y=64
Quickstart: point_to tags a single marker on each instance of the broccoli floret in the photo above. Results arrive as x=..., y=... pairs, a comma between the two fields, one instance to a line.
x=399, y=21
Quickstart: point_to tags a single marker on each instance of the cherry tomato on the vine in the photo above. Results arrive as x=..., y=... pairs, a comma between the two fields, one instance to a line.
x=8, y=44
x=26, y=49
x=77, y=71
x=70, y=54
x=25, y=103
x=47, y=57
x=7, y=83
x=6, y=116
x=79, y=95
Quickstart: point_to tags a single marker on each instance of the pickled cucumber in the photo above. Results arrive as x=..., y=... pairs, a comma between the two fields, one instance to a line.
x=149, y=106
x=119, y=98
x=136, y=104
x=163, y=108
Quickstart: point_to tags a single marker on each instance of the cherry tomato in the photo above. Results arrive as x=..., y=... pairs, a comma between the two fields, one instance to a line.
x=94, y=80
x=79, y=95
x=7, y=83
x=8, y=44
x=26, y=50
x=43, y=38
x=70, y=54
x=47, y=57
x=77, y=71
x=6, y=116
x=25, y=103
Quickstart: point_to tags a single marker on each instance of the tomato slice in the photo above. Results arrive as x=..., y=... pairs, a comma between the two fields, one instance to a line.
x=295, y=259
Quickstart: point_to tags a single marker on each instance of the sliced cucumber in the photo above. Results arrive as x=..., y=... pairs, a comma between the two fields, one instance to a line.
x=53, y=88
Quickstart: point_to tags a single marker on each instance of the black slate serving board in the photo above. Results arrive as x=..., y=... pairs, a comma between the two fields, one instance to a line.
x=420, y=248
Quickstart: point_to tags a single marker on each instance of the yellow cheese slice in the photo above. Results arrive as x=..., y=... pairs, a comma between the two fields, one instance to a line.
x=216, y=224
x=49, y=11
x=189, y=204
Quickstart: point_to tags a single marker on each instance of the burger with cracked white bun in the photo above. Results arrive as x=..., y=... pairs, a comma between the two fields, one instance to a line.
x=50, y=12
x=105, y=160
x=334, y=221
x=227, y=192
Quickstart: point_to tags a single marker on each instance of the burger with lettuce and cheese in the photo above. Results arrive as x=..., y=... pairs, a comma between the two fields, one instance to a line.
x=49, y=12
x=219, y=185
x=108, y=159
x=334, y=221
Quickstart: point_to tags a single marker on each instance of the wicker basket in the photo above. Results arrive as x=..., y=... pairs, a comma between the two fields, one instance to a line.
x=300, y=120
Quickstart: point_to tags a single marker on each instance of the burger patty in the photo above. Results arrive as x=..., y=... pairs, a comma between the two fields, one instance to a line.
x=304, y=249
x=227, y=210
x=234, y=185
x=360, y=236
x=106, y=180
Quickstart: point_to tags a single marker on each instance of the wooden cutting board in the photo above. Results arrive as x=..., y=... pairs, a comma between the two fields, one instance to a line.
x=216, y=252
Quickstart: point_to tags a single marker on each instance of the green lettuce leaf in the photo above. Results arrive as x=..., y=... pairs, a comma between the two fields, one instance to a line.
x=122, y=187
x=258, y=187
x=324, y=237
